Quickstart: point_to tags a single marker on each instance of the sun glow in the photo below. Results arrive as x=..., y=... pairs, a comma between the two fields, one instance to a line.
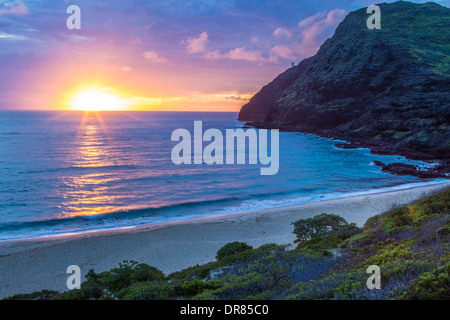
x=97, y=100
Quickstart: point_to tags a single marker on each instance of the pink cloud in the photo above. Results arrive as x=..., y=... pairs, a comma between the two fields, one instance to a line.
x=136, y=42
x=309, y=35
x=198, y=44
x=316, y=29
x=281, y=52
x=17, y=8
x=214, y=55
x=311, y=20
x=281, y=32
x=244, y=54
x=236, y=54
x=154, y=57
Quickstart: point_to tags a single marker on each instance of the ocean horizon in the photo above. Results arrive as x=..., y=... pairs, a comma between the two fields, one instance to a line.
x=73, y=172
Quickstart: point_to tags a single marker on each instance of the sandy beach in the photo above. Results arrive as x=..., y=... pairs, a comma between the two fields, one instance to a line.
x=32, y=265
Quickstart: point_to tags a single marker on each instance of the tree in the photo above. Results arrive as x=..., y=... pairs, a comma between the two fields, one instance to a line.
x=321, y=226
x=232, y=248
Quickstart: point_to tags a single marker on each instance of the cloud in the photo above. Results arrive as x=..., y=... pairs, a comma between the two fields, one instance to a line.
x=312, y=32
x=9, y=36
x=236, y=54
x=126, y=69
x=136, y=42
x=281, y=32
x=311, y=20
x=316, y=29
x=214, y=55
x=281, y=52
x=16, y=8
x=77, y=38
x=243, y=54
x=154, y=57
x=198, y=44
x=238, y=98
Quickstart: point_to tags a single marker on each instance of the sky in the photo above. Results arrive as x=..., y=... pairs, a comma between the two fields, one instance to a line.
x=165, y=55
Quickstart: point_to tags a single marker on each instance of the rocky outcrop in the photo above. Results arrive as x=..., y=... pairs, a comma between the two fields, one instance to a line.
x=409, y=169
x=386, y=89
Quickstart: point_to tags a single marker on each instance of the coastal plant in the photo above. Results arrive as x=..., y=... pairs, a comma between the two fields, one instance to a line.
x=430, y=285
x=231, y=249
x=147, y=290
x=321, y=226
x=194, y=287
x=106, y=285
x=128, y=273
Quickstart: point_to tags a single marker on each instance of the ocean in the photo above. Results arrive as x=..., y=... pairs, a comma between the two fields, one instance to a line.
x=72, y=172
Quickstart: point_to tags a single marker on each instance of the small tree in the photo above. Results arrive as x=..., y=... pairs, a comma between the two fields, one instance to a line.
x=232, y=248
x=321, y=226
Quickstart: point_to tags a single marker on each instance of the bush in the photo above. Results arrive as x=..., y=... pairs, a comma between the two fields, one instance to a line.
x=231, y=249
x=431, y=286
x=194, y=287
x=146, y=291
x=128, y=273
x=323, y=225
x=106, y=284
x=194, y=272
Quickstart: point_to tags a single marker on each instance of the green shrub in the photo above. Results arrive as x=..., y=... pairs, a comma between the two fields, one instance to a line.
x=129, y=272
x=431, y=286
x=88, y=291
x=444, y=231
x=323, y=226
x=194, y=272
x=194, y=287
x=231, y=249
x=147, y=290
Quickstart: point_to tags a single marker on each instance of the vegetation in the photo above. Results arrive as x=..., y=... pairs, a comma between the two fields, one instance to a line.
x=410, y=244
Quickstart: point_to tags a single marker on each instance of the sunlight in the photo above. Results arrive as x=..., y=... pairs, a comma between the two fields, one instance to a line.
x=95, y=99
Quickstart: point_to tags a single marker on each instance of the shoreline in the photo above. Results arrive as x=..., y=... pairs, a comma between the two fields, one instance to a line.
x=42, y=239
x=33, y=265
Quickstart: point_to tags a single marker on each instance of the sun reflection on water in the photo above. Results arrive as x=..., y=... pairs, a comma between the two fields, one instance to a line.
x=91, y=194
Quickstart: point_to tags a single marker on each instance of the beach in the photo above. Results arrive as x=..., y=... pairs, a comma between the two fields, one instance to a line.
x=32, y=265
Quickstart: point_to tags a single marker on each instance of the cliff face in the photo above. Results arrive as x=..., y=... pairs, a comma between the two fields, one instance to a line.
x=388, y=89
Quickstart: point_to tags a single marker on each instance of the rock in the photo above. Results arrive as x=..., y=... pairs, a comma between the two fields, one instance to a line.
x=379, y=163
x=409, y=169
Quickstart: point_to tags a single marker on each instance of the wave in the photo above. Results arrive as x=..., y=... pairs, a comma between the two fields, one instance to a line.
x=181, y=211
x=80, y=168
x=156, y=211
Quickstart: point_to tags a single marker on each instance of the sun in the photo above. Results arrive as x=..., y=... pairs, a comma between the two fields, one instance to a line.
x=95, y=99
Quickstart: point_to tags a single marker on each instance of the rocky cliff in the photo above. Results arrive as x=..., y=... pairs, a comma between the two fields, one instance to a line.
x=387, y=89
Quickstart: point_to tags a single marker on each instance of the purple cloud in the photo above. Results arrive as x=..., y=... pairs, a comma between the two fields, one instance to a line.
x=154, y=57
x=282, y=32
x=197, y=44
x=16, y=8
x=316, y=29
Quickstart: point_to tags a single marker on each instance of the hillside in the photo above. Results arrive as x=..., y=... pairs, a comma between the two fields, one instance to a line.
x=386, y=89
